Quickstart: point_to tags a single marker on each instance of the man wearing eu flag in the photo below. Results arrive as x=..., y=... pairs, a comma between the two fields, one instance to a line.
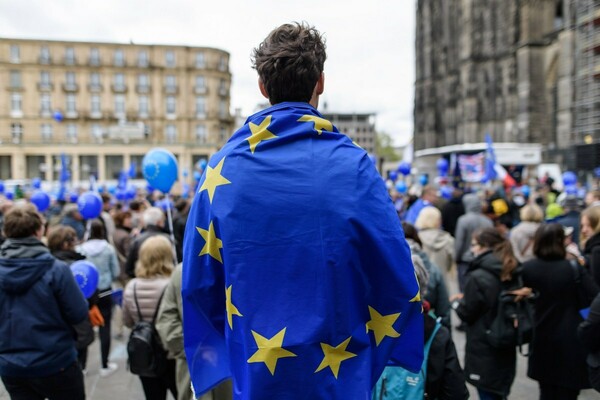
x=297, y=282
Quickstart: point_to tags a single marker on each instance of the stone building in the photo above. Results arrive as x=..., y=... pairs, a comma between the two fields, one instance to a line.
x=359, y=127
x=105, y=105
x=510, y=68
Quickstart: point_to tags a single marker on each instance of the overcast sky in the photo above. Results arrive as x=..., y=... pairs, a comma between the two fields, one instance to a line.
x=370, y=44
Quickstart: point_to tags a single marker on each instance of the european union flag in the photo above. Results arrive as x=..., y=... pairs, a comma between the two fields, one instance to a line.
x=490, y=160
x=297, y=280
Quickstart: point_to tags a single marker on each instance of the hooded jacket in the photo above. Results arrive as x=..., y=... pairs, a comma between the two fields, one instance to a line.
x=103, y=255
x=439, y=246
x=39, y=297
x=468, y=224
x=521, y=240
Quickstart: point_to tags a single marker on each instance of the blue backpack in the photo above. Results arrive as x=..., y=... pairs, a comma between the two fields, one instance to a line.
x=399, y=383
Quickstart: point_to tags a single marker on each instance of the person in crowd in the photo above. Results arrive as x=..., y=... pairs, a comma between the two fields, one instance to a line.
x=553, y=212
x=106, y=218
x=437, y=292
x=169, y=326
x=571, y=216
x=590, y=240
x=589, y=336
x=5, y=206
x=466, y=225
x=452, y=211
x=182, y=206
x=103, y=255
x=137, y=208
x=72, y=217
x=491, y=370
x=521, y=236
x=428, y=199
x=152, y=272
x=437, y=244
x=122, y=240
x=154, y=223
x=592, y=198
x=39, y=303
x=557, y=359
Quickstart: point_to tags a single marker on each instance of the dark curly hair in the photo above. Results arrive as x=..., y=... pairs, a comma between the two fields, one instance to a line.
x=290, y=61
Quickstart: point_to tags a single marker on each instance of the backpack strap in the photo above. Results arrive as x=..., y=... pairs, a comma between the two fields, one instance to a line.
x=137, y=305
x=438, y=325
x=158, y=306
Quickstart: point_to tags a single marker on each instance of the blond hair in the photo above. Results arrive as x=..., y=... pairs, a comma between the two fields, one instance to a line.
x=155, y=259
x=531, y=213
x=593, y=215
x=429, y=218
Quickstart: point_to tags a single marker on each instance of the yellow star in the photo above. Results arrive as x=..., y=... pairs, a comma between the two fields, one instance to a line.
x=212, y=245
x=213, y=179
x=231, y=309
x=382, y=325
x=418, y=295
x=321, y=124
x=259, y=133
x=333, y=356
x=356, y=144
x=270, y=350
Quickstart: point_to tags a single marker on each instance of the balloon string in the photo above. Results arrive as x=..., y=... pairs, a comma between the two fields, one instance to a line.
x=170, y=220
x=88, y=228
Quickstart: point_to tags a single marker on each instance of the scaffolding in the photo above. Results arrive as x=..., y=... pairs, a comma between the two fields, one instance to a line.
x=586, y=111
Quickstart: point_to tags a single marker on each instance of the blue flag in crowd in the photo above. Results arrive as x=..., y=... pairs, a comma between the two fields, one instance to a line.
x=297, y=280
x=490, y=160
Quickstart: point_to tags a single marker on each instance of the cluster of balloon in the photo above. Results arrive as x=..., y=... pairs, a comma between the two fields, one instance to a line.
x=570, y=182
x=40, y=199
x=159, y=167
x=442, y=166
x=404, y=168
x=86, y=276
x=89, y=205
x=446, y=192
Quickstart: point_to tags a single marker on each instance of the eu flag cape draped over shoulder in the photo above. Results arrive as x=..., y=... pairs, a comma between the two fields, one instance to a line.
x=297, y=280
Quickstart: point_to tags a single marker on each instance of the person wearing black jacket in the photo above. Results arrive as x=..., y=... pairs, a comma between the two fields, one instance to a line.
x=154, y=222
x=589, y=336
x=557, y=359
x=590, y=235
x=452, y=211
x=491, y=370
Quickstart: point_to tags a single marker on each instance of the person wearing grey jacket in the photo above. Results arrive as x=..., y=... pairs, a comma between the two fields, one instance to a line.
x=467, y=225
x=170, y=328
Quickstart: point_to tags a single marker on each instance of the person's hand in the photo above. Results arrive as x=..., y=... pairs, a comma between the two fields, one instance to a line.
x=455, y=297
x=95, y=316
x=521, y=293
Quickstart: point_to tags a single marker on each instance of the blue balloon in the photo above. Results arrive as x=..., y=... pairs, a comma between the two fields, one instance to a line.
x=401, y=187
x=73, y=197
x=112, y=189
x=446, y=192
x=201, y=164
x=442, y=166
x=569, y=178
x=160, y=169
x=597, y=172
x=36, y=183
x=149, y=188
x=10, y=195
x=185, y=173
x=164, y=204
x=58, y=117
x=571, y=189
x=404, y=168
x=41, y=200
x=197, y=175
x=100, y=189
x=526, y=190
x=86, y=276
x=424, y=179
x=121, y=194
x=185, y=191
x=393, y=175
x=1, y=187
x=90, y=205
x=130, y=193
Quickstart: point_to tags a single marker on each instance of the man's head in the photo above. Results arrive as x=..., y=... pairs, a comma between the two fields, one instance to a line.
x=23, y=221
x=290, y=63
x=154, y=216
x=429, y=194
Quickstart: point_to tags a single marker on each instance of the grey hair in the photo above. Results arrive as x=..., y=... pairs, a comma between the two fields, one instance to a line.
x=152, y=216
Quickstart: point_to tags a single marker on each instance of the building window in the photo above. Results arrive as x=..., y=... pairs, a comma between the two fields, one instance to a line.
x=88, y=165
x=71, y=104
x=5, y=167
x=16, y=105
x=94, y=56
x=96, y=133
x=70, y=78
x=46, y=132
x=171, y=133
x=223, y=134
x=143, y=58
x=171, y=103
x=114, y=166
x=44, y=55
x=200, y=84
x=200, y=107
x=137, y=159
x=15, y=79
x=71, y=133
x=70, y=56
x=143, y=83
x=201, y=136
x=119, y=82
x=222, y=63
x=16, y=132
x=170, y=58
x=222, y=87
x=119, y=105
x=15, y=53
x=45, y=104
x=119, y=58
x=95, y=81
x=170, y=84
x=143, y=106
x=223, y=110
x=45, y=79
x=95, y=106
x=35, y=166
x=200, y=61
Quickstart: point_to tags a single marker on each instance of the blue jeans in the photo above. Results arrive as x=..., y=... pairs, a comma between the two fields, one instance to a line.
x=485, y=395
x=65, y=385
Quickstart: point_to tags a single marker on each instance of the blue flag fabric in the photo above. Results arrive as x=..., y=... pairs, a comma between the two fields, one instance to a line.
x=297, y=279
x=490, y=160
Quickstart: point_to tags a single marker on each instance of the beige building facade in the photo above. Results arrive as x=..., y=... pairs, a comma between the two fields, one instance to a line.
x=104, y=105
